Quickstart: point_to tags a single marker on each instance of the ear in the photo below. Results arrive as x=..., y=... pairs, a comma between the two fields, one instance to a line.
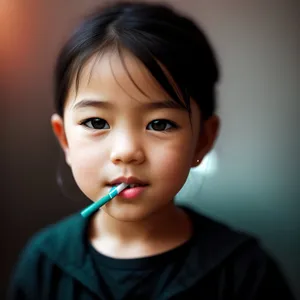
x=206, y=139
x=59, y=131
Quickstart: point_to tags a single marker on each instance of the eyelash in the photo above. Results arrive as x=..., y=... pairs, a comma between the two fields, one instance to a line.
x=173, y=125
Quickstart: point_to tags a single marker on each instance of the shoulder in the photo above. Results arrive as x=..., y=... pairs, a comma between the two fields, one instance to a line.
x=48, y=247
x=53, y=237
x=238, y=259
x=256, y=273
x=216, y=240
x=222, y=244
x=56, y=245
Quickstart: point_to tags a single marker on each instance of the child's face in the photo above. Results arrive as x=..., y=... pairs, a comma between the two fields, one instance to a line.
x=126, y=141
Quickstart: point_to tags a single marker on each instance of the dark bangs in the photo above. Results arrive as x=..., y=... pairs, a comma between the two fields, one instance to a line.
x=171, y=47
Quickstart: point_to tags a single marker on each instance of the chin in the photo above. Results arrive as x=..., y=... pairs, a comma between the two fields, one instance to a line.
x=129, y=214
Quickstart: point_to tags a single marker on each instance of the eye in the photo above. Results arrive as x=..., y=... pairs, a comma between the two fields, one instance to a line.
x=161, y=125
x=96, y=123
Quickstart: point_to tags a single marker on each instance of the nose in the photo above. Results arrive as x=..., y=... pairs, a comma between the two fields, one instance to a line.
x=127, y=148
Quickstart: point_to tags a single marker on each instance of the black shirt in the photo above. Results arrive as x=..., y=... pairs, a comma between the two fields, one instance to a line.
x=140, y=278
x=216, y=263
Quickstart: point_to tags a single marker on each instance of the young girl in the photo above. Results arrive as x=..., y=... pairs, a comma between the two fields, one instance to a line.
x=135, y=104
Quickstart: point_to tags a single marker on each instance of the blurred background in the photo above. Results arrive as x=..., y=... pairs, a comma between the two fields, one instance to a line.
x=249, y=181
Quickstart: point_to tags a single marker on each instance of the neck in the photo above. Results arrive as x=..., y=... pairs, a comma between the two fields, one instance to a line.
x=161, y=231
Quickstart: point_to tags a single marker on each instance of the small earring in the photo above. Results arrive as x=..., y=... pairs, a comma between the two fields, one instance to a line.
x=198, y=161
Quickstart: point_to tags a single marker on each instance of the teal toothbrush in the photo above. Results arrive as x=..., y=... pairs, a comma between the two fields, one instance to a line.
x=96, y=205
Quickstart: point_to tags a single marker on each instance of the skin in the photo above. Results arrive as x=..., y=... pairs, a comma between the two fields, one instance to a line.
x=129, y=143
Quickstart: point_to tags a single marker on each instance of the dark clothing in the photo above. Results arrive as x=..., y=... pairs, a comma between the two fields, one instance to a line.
x=217, y=263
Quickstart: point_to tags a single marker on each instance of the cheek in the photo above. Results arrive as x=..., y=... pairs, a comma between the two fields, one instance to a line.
x=84, y=152
x=86, y=164
x=85, y=170
x=82, y=156
x=173, y=162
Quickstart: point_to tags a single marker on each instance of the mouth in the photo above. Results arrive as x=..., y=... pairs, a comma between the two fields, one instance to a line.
x=132, y=191
x=131, y=181
x=132, y=185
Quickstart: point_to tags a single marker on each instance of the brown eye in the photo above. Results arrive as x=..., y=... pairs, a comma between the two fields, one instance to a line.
x=96, y=123
x=161, y=125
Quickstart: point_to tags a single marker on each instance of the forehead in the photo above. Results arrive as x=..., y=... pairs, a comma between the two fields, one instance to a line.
x=113, y=78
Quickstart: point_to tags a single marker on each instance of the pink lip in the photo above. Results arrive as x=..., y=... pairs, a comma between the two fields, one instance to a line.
x=128, y=180
x=131, y=193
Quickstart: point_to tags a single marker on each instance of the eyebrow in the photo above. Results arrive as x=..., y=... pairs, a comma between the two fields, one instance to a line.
x=150, y=105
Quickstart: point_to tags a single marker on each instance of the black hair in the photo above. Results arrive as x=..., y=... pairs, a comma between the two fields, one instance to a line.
x=171, y=46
